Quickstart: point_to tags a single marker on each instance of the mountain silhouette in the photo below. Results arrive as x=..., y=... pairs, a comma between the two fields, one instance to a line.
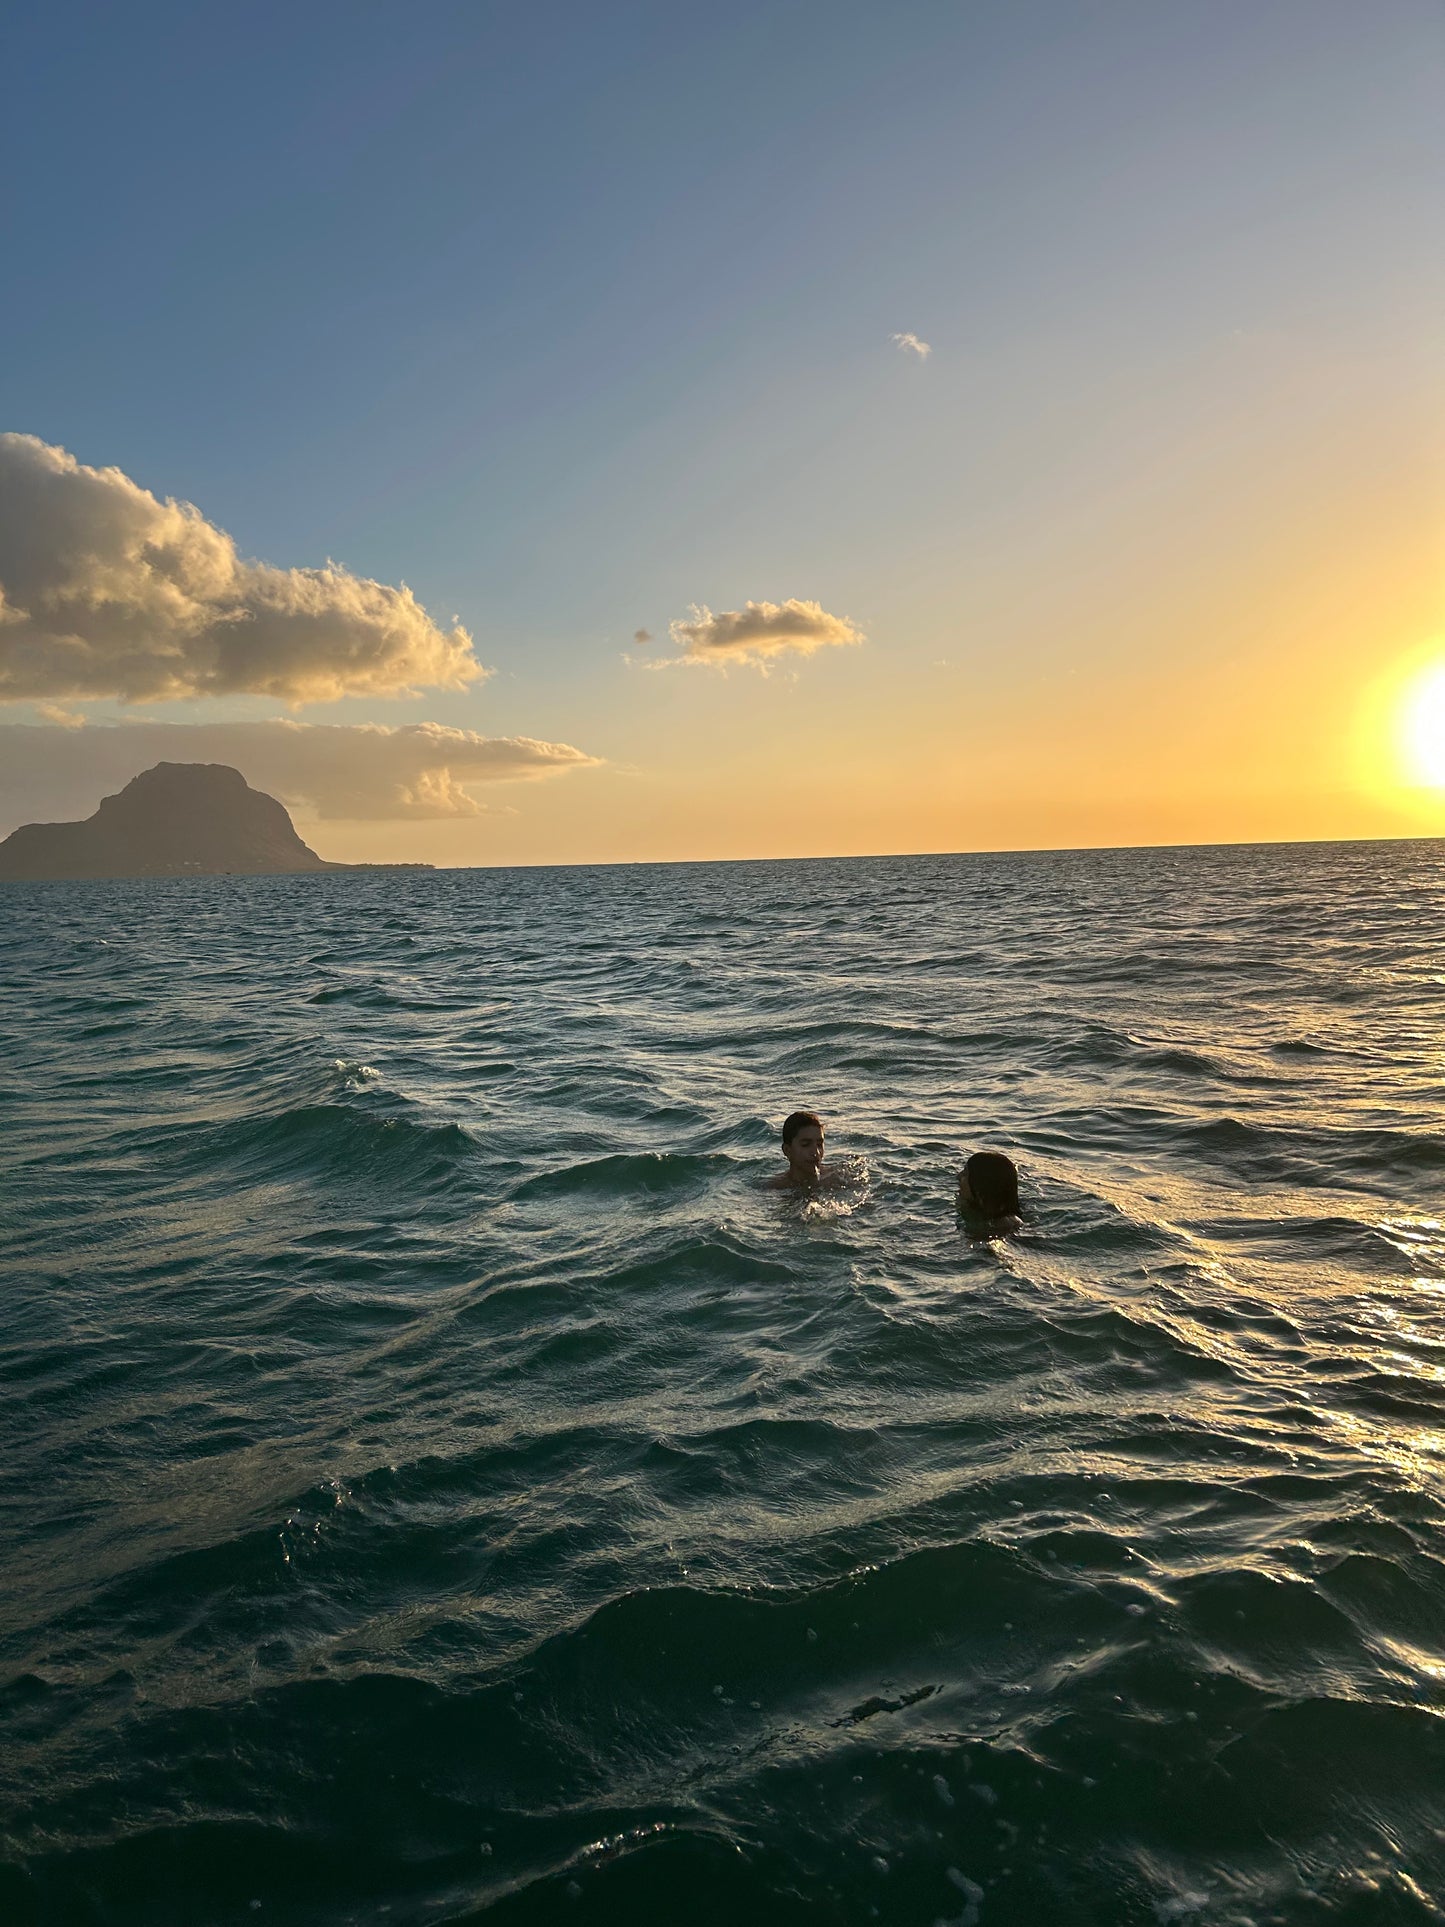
x=178, y=819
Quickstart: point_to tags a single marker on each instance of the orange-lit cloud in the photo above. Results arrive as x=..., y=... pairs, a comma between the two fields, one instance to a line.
x=363, y=772
x=909, y=344
x=761, y=630
x=107, y=591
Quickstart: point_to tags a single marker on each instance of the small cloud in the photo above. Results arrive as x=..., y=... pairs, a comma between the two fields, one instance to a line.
x=105, y=590
x=760, y=630
x=642, y=637
x=911, y=345
x=62, y=718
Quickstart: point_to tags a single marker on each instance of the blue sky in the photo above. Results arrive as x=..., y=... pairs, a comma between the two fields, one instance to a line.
x=570, y=316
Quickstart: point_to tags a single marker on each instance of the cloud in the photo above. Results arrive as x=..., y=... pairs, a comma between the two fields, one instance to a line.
x=63, y=718
x=355, y=772
x=107, y=591
x=760, y=630
x=642, y=637
x=911, y=345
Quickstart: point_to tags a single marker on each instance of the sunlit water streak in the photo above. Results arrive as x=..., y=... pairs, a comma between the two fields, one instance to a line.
x=441, y=1481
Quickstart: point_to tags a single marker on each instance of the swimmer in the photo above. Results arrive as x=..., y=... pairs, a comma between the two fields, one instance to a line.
x=988, y=1186
x=803, y=1148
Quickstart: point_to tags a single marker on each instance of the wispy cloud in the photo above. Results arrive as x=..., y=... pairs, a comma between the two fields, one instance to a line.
x=107, y=591
x=356, y=772
x=911, y=345
x=759, y=631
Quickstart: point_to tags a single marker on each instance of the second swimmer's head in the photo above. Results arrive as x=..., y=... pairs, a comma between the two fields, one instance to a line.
x=989, y=1184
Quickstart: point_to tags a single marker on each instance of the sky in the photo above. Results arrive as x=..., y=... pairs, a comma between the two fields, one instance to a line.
x=584, y=434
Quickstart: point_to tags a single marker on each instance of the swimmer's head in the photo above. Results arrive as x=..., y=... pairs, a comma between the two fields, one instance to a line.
x=803, y=1142
x=989, y=1183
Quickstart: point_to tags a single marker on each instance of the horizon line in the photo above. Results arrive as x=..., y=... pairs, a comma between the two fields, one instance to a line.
x=905, y=856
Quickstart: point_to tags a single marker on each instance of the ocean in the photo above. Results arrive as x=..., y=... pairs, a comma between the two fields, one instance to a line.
x=442, y=1483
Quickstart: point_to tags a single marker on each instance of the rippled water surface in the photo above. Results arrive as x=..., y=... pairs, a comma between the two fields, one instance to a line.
x=441, y=1482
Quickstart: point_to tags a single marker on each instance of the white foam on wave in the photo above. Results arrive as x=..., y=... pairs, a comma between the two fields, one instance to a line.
x=1180, y=1907
x=354, y=1074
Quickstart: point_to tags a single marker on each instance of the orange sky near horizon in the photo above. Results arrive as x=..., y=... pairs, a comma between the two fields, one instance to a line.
x=1254, y=678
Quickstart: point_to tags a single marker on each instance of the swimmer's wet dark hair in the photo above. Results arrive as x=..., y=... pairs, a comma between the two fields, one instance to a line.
x=799, y=1121
x=994, y=1182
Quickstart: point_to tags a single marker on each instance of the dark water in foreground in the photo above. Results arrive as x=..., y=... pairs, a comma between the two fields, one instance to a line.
x=441, y=1483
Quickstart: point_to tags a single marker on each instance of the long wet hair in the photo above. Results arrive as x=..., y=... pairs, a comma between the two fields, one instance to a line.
x=993, y=1180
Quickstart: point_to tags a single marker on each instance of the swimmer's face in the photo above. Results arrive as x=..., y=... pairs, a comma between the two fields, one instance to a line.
x=965, y=1190
x=804, y=1150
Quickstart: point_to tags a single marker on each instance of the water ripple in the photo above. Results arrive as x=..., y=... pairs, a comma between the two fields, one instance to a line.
x=446, y=1484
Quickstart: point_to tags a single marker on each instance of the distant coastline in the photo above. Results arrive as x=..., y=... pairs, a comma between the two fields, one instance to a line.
x=204, y=820
x=174, y=820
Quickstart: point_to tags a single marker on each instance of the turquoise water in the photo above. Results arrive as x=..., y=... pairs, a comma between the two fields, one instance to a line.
x=442, y=1482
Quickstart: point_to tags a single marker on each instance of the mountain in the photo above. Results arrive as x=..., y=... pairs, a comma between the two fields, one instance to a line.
x=178, y=819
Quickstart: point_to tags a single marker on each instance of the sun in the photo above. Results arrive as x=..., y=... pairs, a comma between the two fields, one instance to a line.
x=1422, y=728
x=1398, y=735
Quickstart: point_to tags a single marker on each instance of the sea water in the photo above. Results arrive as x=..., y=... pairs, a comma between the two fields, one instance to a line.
x=442, y=1482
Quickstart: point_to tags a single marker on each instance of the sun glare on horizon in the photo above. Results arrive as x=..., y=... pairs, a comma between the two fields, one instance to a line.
x=1422, y=728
